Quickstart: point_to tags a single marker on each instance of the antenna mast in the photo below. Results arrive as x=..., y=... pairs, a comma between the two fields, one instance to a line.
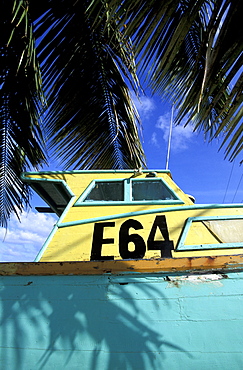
x=169, y=138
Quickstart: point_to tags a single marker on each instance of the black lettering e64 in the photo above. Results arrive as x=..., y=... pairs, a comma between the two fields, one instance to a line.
x=164, y=245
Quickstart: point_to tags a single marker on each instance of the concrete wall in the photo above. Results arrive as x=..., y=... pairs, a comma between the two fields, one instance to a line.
x=102, y=322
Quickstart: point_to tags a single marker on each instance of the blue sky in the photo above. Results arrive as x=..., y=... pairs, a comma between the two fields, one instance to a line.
x=196, y=166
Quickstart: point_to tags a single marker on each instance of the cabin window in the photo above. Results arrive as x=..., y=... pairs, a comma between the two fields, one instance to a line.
x=109, y=191
x=127, y=191
x=215, y=232
x=150, y=190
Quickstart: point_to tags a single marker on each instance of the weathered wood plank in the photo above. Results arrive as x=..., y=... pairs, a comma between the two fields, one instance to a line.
x=232, y=262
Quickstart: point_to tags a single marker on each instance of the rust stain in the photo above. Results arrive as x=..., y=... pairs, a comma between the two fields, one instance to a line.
x=189, y=262
x=210, y=260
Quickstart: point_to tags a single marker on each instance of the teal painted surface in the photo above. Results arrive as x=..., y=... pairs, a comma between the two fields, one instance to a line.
x=144, y=321
x=95, y=171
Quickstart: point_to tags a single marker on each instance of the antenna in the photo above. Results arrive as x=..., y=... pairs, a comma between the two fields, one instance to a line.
x=169, y=138
x=237, y=188
x=229, y=180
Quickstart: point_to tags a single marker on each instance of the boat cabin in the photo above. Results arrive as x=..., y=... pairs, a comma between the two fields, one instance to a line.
x=131, y=215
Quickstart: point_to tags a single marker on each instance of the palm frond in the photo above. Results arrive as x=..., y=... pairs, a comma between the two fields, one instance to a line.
x=21, y=141
x=91, y=121
x=191, y=52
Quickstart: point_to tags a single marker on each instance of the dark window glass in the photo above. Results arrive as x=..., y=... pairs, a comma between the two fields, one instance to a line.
x=151, y=190
x=106, y=191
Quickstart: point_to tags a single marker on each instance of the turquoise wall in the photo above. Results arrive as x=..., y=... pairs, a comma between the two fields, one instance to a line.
x=121, y=322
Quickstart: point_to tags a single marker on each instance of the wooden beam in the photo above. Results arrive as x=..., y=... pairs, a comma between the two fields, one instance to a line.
x=168, y=265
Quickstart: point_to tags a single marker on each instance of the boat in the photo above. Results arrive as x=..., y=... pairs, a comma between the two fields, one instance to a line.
x=134, y=275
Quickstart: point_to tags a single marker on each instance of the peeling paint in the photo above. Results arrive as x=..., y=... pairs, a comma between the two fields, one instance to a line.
x=177, y=281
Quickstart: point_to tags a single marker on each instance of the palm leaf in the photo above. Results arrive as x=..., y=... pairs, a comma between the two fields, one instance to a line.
x=91, y=121
x=21, y=141
x=191, y=52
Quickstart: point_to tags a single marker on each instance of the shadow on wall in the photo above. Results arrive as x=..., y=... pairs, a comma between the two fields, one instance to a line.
x=84, y=322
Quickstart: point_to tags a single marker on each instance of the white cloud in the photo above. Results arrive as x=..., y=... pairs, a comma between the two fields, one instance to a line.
x=23, y=240
x=181, y=136
x=144, y=105
x=154, y=140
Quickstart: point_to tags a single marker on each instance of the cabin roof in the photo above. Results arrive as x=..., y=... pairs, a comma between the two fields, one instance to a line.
x=54, y=192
